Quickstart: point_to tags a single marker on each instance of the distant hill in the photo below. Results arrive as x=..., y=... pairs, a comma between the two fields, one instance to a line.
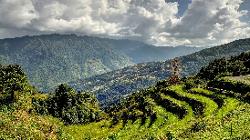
x=112, y=86
x=50, y=60
x=140, y=53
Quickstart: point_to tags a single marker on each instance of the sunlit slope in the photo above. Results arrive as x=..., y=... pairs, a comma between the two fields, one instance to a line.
x=197, y=113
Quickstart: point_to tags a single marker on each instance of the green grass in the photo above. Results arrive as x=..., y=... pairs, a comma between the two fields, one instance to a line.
x=210, y=105
x=97, y=130
x=243, y=79
x=231, y=125
x=19, y=124
x=178, y=126
x=230, y=121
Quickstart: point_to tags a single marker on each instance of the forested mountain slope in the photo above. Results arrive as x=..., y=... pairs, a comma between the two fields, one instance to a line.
x=112, y=86
x=53, y=59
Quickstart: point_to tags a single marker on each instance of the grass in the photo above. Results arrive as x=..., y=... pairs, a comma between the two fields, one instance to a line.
x=97, y=130
x=228, y=103
x=230, y=121
x=233, y=124
x=209, y=105
x=244, y=79
x=178, y=125
x=19, y=124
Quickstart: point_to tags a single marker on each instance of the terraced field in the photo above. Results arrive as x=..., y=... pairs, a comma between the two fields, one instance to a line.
x=244, y=79
x=212, y=113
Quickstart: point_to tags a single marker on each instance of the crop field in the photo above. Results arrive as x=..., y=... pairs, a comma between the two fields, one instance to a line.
x=198, y=113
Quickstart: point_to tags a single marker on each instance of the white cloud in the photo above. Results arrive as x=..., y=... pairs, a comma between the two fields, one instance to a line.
x=16, y=13
x=152, y=21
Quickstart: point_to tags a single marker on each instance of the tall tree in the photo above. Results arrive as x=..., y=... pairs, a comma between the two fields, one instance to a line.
x=175, y=70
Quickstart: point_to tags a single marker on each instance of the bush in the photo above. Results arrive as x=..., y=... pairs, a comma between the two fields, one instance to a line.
x=13, y=81
x=226, y=84
x=68, y=105
x=198, y=126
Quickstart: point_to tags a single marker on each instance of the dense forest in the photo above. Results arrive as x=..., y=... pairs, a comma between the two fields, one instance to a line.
x=211, y=104
x=50, y=60
x=111, y=87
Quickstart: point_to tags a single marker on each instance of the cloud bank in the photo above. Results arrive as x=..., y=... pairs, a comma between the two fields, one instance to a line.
x=152, y=21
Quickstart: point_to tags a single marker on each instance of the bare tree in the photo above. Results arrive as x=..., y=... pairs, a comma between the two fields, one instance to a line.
x=175, y=70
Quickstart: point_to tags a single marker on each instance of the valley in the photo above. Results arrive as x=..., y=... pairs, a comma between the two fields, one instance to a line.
x=50, y=60
x=213, y=104
x=113, y=86
x=124, y=69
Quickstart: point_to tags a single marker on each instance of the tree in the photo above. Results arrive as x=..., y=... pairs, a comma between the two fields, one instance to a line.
x=71, y=106
x=13, y=82
x=175, y=69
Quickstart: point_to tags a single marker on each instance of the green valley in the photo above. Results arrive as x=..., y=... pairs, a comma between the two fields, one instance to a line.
x=50, y=60
x=124, y=69
x=113, y=86
x=214, y=104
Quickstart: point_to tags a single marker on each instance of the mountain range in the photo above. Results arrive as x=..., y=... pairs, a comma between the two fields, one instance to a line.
x=113, y=86
x=52, y=59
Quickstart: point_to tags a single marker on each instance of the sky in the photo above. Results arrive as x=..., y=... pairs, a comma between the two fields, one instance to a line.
x=158, y=22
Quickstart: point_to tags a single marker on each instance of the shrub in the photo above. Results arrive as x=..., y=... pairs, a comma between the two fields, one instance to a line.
x=68, y=105
x=198, y=126
x=13, y=82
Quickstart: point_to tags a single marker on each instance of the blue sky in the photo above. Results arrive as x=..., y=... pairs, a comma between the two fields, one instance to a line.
x=159, y=22
x=183, y=5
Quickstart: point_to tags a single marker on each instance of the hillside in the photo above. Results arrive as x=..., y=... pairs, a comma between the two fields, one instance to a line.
x=53, y=59
x=112, y=86
x=196, y=108
x=27, y=114
x=214, y=106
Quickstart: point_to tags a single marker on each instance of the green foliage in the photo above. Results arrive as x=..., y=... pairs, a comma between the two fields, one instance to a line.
x=53, y=59
x=19, y=124
x=133, y=108
x=235, y=66
x=70, y=106
x=16, y=118
x=12, y=78
x=199, y=109
x=233, y=88
x=50, y=60
x=192, y=110
x=14, y=88
x=112, y=86
x=193, y=82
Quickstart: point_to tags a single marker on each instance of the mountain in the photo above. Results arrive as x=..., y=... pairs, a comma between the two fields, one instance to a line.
x=52, y=59
x=213, y=104
x=112, y=86
x=140, y=53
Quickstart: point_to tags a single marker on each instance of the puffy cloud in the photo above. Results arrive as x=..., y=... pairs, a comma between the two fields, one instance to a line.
x=152, y=21
x=16, y=13
x=208, y=23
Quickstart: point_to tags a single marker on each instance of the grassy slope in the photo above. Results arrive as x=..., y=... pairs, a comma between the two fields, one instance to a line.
x=19, y=124
x=243, y=79
x=231, y=120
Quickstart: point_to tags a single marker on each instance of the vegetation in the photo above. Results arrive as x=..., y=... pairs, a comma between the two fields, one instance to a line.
x=27, y=114
x=69, y=106
x=235, y=66
x=213, y=104
x=70, y=57
x=113, y=86
x=194, y=109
